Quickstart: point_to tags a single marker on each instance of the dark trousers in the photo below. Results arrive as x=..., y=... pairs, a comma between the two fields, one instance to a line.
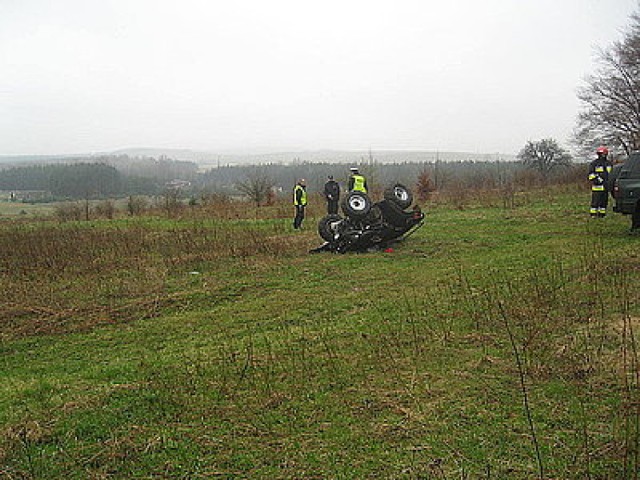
x=332, y=206
x=599, y=201
x=635, y=220
x=297, y=221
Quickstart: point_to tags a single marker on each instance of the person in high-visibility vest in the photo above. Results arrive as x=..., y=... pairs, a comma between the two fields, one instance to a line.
x=357, y=182
x=300, y=202
x=599, y=170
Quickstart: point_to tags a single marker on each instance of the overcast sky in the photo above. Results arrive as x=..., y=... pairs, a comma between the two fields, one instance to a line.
x=80, y=76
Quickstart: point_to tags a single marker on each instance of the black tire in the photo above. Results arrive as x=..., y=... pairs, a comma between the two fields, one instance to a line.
x=374, y=217
x=356, y=205
x=635, y=219
x=393, y=214
x=400, y=195
x=328, y=227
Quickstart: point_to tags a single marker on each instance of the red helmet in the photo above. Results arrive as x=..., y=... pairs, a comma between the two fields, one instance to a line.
x=602, y=150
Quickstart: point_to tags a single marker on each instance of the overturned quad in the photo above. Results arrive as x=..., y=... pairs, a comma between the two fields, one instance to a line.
x=368, y=226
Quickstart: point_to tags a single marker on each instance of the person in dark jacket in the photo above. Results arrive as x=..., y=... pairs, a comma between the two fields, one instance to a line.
x=332, y=194
x=300, y=202
x=599, y=170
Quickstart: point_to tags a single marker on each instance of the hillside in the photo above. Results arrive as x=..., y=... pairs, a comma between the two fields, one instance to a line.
x=493, y=343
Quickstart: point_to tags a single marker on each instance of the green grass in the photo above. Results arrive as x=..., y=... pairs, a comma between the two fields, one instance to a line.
x=119, y=361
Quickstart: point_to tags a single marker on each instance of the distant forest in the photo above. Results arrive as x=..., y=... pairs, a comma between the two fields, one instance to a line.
x=97, y=177
x=118, y=175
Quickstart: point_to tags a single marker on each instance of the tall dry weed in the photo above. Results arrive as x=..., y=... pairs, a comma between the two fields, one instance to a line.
x=73, y=275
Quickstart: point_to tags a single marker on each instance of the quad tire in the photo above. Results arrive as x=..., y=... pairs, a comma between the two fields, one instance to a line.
x=356, y=205
x=400, y=195
x=394, y=215
x=328, y=227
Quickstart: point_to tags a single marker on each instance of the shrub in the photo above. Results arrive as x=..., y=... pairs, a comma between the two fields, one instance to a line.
x=136, y=205
x=105, y=208
x=69, y=211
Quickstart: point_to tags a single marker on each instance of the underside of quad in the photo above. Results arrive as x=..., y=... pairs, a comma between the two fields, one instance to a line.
x=368, y=226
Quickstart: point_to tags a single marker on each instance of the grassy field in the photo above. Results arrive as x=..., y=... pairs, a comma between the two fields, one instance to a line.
x=12, y=209
x=493, y=343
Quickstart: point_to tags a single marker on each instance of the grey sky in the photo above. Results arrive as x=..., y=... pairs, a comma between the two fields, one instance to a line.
x=460, y=75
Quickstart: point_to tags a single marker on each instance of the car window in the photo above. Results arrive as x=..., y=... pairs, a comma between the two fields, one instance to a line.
x=634, y=168
x=631, y=166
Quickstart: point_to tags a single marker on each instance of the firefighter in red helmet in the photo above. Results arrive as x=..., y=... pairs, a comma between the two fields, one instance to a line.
x=599, y=170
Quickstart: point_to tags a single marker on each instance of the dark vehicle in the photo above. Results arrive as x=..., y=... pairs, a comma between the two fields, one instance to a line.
x=368, y=225
x=626, y=188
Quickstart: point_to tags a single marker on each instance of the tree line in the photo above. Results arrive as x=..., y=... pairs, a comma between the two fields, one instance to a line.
x=73, y=181
x=100, y=180
x=97, y=177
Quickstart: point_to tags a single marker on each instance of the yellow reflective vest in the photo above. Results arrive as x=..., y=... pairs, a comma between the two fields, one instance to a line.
x=358, y=184
x=299, y=195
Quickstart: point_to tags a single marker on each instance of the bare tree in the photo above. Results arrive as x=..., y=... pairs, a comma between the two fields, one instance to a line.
x=171, y=201
x=257, y=186
x=136, y=205
x=544, y=156
x=611, y=96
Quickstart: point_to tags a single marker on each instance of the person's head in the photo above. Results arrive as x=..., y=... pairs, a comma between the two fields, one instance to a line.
x=354, y=170
x=602, y=151
x=302, y=182
x=330, y=177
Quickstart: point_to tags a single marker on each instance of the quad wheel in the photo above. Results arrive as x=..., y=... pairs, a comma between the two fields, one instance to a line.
x=328, y=227
x=356, y=205
x=400, y=195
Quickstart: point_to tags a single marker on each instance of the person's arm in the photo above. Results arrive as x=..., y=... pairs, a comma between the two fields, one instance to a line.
x=592, y=172
x=350, y=183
